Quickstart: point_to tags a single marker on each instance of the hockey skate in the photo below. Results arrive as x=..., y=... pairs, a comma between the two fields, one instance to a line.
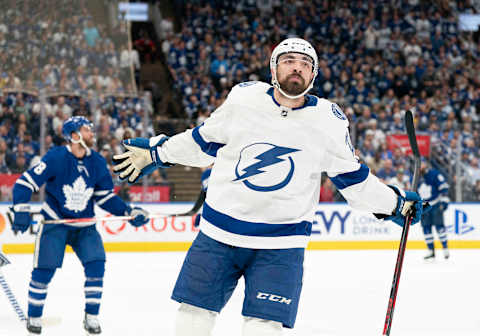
x=446, y=253
x=34, y=325
x=430, y=256
x=92, y=325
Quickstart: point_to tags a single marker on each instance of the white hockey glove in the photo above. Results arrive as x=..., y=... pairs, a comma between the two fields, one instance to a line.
x=141, y=158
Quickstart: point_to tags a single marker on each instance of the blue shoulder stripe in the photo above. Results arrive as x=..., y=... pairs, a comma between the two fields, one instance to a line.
x=245, y=228
x=342, y=181
x=209, y=148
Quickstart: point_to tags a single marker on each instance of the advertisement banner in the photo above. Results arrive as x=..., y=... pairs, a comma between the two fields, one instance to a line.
x=152, y=194
x=401, y=140
x=6, y=184
x=335, y=226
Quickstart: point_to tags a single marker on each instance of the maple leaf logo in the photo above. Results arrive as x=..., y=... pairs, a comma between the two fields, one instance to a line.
x=77, y=196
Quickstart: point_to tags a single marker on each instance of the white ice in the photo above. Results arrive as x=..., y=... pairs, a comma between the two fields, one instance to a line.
x=345, y=293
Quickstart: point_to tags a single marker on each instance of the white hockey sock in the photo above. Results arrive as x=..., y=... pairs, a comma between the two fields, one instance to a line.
x=193, y=320
x=253, y=326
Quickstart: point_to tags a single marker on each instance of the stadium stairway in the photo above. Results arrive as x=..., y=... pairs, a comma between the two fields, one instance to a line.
x=186, y=183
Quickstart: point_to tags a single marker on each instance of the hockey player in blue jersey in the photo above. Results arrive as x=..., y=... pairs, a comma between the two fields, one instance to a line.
x=76, y=178
x=433, y=187
x=270, y=144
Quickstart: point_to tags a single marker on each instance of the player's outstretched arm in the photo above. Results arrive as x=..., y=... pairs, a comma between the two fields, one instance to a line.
x=141, y=158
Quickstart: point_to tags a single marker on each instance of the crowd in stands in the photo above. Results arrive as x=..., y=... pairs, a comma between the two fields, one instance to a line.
x=116, y=118
x=80, y=65
x=57, y=46
x=377, y=60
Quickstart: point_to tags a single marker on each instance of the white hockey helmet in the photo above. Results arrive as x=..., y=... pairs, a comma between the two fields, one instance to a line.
x=295, y=45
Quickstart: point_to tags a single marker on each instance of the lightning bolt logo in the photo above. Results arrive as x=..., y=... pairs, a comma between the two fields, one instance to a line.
x=267, y=158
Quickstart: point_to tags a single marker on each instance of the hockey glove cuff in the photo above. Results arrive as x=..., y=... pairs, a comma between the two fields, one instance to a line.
x=140, y=216
x=22, y=218
x=141, y=158
x=408, y=203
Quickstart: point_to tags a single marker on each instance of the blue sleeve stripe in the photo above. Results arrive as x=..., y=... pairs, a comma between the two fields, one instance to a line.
x=209, y=148
x=345, y=180
x=245, y=228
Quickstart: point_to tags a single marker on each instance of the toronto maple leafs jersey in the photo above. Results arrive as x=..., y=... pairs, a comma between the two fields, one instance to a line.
x=265, y=183
x=433, y=187
x=72, y=185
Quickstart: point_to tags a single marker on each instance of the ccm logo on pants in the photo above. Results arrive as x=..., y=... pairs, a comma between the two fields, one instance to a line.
x=273, y=297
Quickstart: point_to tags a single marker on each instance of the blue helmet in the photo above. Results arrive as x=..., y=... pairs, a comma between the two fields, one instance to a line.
x=73, y=124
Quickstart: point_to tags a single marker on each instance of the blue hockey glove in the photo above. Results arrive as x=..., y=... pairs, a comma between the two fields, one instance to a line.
x=141, y=158
x=140, y=216
x=408, y=203
x=22, y=218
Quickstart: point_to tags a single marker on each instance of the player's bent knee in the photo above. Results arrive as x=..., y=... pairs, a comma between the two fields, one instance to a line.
x=43, y=275
x=193, y=320
x=253, y=326
x=94, y=269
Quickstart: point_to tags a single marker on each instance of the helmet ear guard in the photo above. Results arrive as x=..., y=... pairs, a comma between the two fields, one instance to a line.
x=293, y=45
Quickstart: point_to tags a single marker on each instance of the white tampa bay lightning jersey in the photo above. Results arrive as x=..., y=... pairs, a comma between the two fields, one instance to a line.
x=265, y=182
x=72, y=185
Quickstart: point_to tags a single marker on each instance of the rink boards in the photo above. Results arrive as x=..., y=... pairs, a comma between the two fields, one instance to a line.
x=336, y=226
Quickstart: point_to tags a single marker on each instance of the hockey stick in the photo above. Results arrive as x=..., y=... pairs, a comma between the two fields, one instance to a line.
x=406, y=227
x=81, y=222
x=8, y=292
x=198, y=204
x=11, y=298
x=46, y=321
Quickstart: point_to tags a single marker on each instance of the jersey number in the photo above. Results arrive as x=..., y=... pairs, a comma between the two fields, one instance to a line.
x=39, y=168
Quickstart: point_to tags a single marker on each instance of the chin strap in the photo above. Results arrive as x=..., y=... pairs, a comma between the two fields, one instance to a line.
x=81, y=142
x=276, y=85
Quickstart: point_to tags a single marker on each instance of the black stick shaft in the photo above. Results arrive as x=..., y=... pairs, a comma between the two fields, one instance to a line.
x=406, y=227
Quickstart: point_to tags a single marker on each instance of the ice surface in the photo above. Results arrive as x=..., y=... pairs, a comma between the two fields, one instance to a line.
x=345, y=293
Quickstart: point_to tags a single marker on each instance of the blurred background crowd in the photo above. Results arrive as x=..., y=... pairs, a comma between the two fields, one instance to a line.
x=377, y=59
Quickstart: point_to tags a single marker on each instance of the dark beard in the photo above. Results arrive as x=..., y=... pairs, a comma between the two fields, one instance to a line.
x=292, y=88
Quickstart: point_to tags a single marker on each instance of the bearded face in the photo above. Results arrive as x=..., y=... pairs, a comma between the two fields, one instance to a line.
x=88, y=136
x=294, y=73
x=293, y=84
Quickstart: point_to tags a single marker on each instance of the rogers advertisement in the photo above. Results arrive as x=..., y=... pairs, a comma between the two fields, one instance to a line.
x=334, y=223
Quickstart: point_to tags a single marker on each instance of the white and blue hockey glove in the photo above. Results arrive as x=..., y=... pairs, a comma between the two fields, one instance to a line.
x=22, y=218
x=141, y=158
x=140, y=216
x=408, y=203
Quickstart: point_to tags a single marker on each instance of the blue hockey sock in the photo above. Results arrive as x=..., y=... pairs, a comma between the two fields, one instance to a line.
x=94, y=272
x=37, y=291
x=442, y=235
x=427, y=231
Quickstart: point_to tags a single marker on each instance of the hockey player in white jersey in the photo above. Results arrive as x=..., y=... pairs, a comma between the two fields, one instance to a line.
x=76, y=178
x=270, y=145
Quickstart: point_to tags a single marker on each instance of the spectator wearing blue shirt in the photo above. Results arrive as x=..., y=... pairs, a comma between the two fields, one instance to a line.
x=91, y=34
x=386, y=172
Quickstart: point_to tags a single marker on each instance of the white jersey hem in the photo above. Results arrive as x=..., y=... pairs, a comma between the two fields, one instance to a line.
x=254, y=242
